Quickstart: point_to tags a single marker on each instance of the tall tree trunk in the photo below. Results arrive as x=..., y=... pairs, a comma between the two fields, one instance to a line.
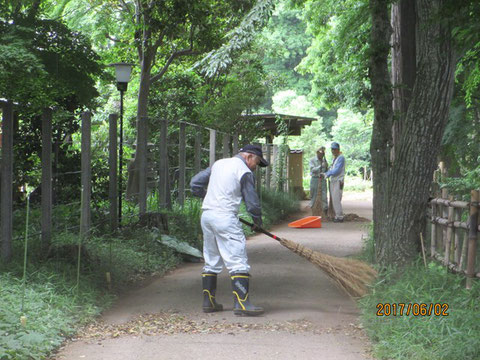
x=419, y=140
x=403, y=62
x=382, y=104
x=144, y=87
x=134, y=176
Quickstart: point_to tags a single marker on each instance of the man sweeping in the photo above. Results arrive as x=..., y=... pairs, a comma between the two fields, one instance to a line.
x=223, y=186
x=336, y=175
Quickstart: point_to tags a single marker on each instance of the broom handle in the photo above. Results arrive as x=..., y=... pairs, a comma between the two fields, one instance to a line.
x=259, y=228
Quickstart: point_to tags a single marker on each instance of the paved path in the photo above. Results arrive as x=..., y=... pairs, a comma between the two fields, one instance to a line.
x=306, y=316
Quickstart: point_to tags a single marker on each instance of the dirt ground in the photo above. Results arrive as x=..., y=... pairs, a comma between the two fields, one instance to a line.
x=306, y=315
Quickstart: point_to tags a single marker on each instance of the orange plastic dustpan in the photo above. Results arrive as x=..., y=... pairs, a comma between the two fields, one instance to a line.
x=307, y=222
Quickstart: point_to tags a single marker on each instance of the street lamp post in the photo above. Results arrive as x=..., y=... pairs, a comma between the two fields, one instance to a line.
x=122, y=74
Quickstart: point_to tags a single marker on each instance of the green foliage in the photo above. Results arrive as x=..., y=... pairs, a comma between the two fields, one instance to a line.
x=463, y=185
x=456, y=336
x=284, y=42
x=460, y=147
x=353, y=132
x=218, y=61
x=43, y=63
x=239, y=91
x=338, y=56
x=466, y=30
x=289, y=103
x=312, y=138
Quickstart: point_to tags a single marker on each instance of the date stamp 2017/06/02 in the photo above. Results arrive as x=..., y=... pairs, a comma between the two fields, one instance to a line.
x=415, y=309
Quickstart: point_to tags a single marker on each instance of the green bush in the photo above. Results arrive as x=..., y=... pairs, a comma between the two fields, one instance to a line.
x=452, y=337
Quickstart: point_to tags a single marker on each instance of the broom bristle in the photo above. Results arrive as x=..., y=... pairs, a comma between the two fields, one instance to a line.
x=351, y=275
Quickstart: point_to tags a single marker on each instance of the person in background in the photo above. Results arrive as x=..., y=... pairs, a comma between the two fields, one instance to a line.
x=223, y=187
x=318, y=165
x=337, y=176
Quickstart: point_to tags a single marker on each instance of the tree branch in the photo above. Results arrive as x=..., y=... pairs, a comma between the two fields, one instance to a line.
x=138, y=33
x=174, y=55
x=115, y=40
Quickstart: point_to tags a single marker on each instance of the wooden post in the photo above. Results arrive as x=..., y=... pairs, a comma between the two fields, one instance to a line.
x=439, y=231
x=6, y=216
x=445, y=216
x=258, y=178
x=472, y=237
x=449, y=239
x=235, y=144
x=456, y=236
x=198, y=152
x=46, y=178
x=213, y=140
x=268, y=175
x=86, y=175
x=280, y=179
x=433, y=240
x=142, y=164
x=443, y=208
x=112, y=175
x=181, y=164
x=463, y=254
x=163, y=176
x=275, y=166
x=286, y=184
x=168, y=192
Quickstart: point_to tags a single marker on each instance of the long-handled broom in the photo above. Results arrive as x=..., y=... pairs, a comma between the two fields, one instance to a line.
x=351, y=275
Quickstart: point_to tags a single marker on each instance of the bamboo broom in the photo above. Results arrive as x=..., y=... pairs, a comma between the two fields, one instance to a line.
x=353, y=276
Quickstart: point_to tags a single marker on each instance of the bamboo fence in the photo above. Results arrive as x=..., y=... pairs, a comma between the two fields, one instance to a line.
x=454, y=233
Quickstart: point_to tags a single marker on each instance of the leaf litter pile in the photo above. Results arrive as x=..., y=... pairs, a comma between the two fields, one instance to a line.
x=167, y=323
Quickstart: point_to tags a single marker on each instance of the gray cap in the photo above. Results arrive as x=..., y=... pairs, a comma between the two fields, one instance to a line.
x=335, y=145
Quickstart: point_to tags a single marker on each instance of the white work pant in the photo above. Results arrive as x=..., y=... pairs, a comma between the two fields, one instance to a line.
x=224, y=243
x=336, y=193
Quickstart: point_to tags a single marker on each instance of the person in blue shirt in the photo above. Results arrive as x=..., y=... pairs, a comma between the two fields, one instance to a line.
x=336, y=173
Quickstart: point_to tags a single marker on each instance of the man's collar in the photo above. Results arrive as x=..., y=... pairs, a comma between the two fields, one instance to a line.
x=241, y=157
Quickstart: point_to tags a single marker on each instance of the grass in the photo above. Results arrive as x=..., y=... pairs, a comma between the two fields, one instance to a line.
x=52, y=309
x=452, y=337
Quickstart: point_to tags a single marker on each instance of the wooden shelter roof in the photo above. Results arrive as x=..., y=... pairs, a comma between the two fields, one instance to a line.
x=295, y=123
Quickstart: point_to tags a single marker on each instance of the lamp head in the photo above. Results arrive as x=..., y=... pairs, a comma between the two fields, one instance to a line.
x=122, y=74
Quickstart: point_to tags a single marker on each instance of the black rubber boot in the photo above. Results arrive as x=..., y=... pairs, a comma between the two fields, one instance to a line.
x=242, y=305
x=209, y=281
